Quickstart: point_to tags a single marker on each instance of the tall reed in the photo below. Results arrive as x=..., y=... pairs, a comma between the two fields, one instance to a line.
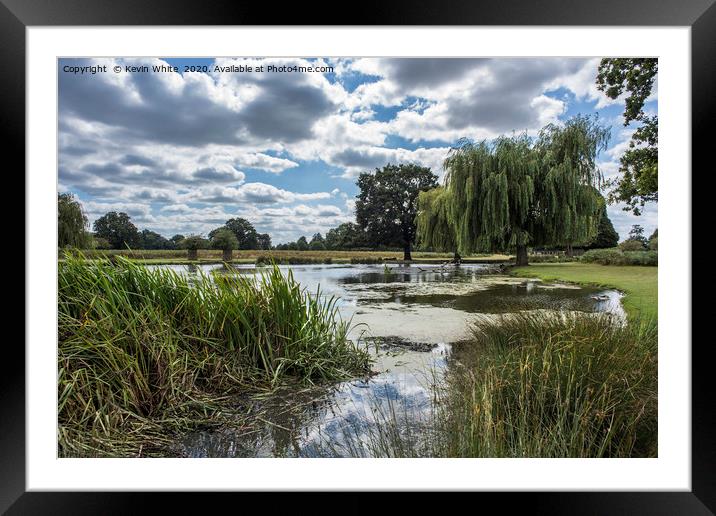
x=142, y=351
x=553, y=386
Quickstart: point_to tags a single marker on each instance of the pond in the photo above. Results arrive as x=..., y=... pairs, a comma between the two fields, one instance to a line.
x=410, y=316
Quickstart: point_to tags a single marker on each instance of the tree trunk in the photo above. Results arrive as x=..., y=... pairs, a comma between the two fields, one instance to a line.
x=227, y=255
x=456, y=257
x=191, y=254
x=521, y=258
x=568, y=251
x=406, y=253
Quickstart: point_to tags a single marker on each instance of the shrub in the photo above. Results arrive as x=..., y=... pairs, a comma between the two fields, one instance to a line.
x=632, y=245
x=100, y=243
x=616, y=256
x=224, y=239
x=194, y=242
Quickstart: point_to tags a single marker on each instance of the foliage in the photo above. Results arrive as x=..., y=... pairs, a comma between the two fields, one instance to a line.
x=387, y=203
x=194, y=242
x=654, y=241
x=567, y=197
x=317, y=243
x=632, y=244
x=118, y=230
x=243, y=230
x=515, y=191
x=71, y=223
x=346, y=236
x=434, y=225
x=621, y=257
x=144, y=351
x=151, y=240
x=264, y=241
x=606, y=236
x=302, y=244
x=640, y=163
x=224, y=239
x=100, y=243
x=637, y=233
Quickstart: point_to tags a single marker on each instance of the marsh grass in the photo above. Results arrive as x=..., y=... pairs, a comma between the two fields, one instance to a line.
x=143, y=353
x=563, y=386
x=531, y=385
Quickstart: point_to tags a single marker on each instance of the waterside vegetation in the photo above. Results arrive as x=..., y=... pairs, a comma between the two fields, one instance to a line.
x=143, y=353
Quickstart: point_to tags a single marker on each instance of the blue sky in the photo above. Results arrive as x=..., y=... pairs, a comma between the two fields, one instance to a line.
x=182, y=152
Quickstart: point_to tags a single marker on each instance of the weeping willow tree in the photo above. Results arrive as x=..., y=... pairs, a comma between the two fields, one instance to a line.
x=434, y=225
x=517, y=191
x=568, y=203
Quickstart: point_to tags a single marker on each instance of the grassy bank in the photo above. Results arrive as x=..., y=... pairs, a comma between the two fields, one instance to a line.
x=145, y=352
x=638, y=283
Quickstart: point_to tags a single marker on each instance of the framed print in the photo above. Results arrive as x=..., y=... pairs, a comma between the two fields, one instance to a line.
x=415, y=252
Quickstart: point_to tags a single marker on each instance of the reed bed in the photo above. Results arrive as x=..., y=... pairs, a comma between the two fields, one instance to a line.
x=568, y=386
x=532, y=385
x=143, y=353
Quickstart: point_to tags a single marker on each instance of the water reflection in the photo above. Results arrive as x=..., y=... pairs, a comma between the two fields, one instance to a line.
x=413, y=314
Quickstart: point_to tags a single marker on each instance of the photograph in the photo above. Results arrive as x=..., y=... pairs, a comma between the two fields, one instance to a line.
x=357, y=257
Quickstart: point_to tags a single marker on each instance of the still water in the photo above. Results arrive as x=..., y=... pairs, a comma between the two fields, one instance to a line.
x=410, y=315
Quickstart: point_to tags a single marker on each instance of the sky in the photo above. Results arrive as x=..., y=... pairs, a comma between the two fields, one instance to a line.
x=281, y=141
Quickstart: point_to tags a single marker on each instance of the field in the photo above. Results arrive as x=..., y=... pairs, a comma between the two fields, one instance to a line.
x=251, y=256
x=638, y=283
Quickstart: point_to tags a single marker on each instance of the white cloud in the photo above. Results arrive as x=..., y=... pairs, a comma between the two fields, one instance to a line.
x=186, y=152
x=254, y=193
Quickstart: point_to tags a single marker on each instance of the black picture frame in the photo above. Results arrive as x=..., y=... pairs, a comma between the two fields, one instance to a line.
x=16, y=15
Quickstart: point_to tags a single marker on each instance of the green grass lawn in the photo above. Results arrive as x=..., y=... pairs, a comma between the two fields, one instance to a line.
x=638, y=283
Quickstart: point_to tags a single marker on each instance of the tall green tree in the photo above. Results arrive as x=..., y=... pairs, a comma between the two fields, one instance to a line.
x=302, y=244
x=243, y=230
x=516, y=192
x=71, y=222
x=317, y=243
x=434, y=227
x=192, y=244
x=568, y=202
x=225, y=240
x=637, y=233
x=492, y=190
x=264, y=241
x=388, y=203
x=118, y=230
x=152, y=240
x=346, y=236
x=606, y=237
x=639, y=165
